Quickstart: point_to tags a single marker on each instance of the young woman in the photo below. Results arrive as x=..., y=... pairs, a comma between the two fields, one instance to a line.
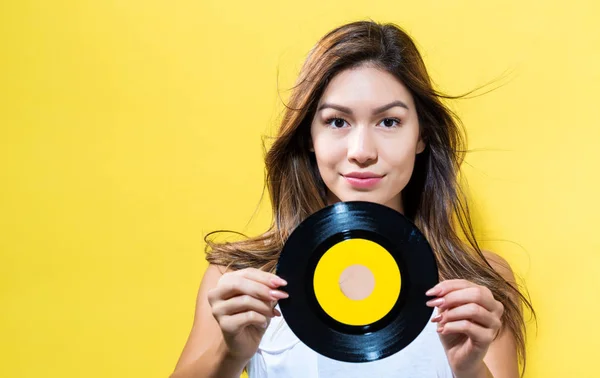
x=363, y=123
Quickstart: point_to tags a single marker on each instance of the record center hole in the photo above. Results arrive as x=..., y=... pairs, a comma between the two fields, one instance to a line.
x=357, y=282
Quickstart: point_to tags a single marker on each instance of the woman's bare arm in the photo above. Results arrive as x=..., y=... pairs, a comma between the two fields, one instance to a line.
x=205, y=352
x=501, y=357
x=233, y=310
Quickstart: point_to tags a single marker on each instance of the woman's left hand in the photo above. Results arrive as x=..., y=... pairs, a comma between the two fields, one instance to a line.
x=469, y=318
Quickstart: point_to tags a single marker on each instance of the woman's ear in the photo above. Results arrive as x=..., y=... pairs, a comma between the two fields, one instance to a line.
x=421, y=144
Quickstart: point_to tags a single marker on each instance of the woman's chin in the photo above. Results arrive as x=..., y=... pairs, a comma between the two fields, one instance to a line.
x=360, y=196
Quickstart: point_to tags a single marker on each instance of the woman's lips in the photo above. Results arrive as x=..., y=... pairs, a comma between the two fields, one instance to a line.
x=363, y=183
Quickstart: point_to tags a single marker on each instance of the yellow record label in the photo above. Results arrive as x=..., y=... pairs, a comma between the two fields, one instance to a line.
x=378, y=261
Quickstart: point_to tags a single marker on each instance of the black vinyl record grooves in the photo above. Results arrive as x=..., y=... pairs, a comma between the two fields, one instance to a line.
x=330, y=329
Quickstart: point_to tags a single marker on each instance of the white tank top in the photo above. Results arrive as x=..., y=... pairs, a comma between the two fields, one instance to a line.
x=282, y=355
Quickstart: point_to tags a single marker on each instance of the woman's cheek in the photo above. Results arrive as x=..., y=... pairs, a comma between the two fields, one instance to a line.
x=403, y=171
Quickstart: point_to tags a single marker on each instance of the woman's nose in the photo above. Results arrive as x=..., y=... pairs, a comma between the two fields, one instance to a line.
x=361, y=147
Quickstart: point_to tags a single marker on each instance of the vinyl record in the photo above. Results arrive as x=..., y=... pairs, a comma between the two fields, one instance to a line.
x=397, y=266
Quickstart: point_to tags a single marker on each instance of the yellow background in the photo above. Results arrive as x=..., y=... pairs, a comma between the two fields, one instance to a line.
x=129, y=129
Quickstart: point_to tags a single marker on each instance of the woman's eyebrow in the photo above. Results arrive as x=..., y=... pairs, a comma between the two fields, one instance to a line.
x=347, y=110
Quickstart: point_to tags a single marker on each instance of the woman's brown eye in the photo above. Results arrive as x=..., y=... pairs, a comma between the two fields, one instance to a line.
x=389, y=122
x=336, y=122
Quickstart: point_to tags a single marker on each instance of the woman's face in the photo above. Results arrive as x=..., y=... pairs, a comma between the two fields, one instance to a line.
x=365, y=136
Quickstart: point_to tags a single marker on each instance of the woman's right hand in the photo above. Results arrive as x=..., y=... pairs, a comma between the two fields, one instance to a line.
x=243, y=304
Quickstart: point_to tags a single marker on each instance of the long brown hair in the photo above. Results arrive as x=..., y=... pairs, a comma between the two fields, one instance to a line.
x=433, y=198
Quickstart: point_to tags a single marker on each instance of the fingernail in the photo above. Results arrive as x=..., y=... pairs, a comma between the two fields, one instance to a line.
x=276, y=311
x=433, y=291
x=278, y=281
x=278, y=294
x=264, y=325
x=435, y=302
x=436, y=318
x=440, y=329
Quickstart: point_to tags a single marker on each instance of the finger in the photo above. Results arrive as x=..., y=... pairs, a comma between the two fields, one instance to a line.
x=273, y=306
x=234, y=285
x=263, y=277
x=472, y=312
x=447, y=286
x=475, y=332
x=235, y=323
x=242, y=303
x=475, y=294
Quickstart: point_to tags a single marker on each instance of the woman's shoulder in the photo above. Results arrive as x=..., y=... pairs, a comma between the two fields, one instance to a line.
x=500, y=265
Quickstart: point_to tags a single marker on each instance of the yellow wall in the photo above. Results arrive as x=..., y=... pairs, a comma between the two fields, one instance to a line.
x=128, y=129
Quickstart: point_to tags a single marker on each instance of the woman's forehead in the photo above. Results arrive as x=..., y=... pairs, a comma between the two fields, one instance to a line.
x=365, y=88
